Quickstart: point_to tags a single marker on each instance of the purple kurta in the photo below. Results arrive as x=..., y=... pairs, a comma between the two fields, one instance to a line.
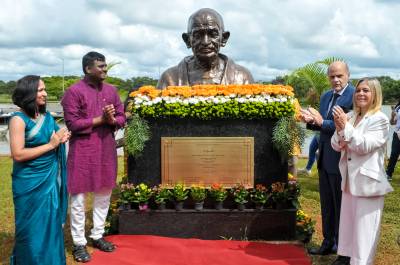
x=92, y=156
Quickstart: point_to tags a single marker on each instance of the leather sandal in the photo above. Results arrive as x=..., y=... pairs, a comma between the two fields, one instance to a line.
x=80, y=253
x=103, y=245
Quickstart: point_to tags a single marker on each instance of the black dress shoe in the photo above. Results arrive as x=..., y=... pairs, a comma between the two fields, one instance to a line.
x=342, y=260
x=323, y=250
x=103, y=245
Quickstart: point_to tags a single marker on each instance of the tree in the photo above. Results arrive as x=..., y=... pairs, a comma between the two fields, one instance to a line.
x=143, y=81
x=390, y=89
x=54, y=85
x=7, y=87
x=314, y=74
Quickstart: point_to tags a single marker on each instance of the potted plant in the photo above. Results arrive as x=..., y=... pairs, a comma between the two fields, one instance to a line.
x=126, y=195
x=198, y=194
x=161, y=195
x=219, y=194
x=180, y=193
x=285, y=196
x=142, y=196
x=293, y=192
x=279, y=195
x=259, y=196
x=305, y=227
x=240, y=194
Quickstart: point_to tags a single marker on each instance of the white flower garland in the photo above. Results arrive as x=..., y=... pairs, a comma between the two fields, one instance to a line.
x=143, y=100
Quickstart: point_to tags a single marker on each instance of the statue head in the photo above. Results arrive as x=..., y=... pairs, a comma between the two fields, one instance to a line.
x=205, y=34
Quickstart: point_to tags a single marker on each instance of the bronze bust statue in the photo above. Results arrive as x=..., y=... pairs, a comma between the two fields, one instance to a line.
x=205, y=35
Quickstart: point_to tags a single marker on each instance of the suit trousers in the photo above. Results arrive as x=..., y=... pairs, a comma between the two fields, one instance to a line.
x=101, y=203
x=330, y=196
x=394, y=155
x=360, y=227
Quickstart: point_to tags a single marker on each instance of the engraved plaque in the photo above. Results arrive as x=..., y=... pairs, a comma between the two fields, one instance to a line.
x=207, y=160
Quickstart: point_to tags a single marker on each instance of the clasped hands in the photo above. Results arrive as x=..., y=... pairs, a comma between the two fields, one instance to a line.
x=59, y=137
x=109, y=114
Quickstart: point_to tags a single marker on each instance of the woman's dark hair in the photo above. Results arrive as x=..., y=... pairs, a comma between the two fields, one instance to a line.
x=89, y=58
x=24, y=95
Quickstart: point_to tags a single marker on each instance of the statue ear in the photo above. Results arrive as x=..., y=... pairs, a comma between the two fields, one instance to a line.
x=186, y=39
x=225, y=37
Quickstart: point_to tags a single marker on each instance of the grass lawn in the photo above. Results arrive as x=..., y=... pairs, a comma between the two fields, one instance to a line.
x=388, y=250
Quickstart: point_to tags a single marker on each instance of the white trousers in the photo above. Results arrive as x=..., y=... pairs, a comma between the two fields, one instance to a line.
x=360, y=221
x=101, y=203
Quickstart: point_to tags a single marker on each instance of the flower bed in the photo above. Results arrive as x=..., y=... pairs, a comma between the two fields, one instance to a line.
x=255, y=101
x=304, y=225
x=271, y=196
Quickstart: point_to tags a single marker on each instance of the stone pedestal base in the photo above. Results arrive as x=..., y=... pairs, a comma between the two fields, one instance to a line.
x=249, y=224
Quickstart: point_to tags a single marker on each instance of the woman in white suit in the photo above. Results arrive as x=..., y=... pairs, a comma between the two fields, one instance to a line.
x=361, y=137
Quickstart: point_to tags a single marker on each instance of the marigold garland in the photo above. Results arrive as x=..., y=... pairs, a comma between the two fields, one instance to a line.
x=249, y=101
x=214, y=90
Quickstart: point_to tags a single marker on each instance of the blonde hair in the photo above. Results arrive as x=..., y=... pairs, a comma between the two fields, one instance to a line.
x=376, y=91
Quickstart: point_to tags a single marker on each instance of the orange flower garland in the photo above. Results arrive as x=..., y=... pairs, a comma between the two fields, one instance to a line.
x=214, y=90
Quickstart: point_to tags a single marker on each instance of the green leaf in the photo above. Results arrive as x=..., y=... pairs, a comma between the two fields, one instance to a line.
x=137, y=133
x=283, y=141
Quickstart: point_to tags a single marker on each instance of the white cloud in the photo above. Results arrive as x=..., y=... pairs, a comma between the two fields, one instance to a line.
x=269, y=37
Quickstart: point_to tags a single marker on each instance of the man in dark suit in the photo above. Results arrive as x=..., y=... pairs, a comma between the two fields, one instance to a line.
x=328, y=162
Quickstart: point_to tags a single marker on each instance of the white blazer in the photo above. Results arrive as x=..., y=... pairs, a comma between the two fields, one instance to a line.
x=362, y=155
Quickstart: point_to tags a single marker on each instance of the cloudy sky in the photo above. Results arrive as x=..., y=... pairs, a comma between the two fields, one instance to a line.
x=270, y=37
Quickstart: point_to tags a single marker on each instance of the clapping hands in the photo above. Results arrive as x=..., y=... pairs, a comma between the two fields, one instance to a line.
x=109, y=114
x=339, y=117
x=306, y=116
x=60, y=137
x=311, y=115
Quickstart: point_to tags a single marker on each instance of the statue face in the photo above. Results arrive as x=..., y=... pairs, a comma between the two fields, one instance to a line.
x=205, y=36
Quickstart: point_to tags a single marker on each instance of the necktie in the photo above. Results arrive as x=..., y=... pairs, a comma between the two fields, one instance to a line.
x=334, y=98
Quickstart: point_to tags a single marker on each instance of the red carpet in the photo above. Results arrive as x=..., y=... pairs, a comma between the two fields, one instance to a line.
x=154, y=250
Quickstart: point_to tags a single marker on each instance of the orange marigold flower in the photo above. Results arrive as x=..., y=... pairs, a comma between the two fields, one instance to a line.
x=297, y=108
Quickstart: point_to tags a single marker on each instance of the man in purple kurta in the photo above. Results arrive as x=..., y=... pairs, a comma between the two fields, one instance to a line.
x=92, y=112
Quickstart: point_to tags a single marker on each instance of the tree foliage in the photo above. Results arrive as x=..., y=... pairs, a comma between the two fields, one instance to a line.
x=308, y=82
x=390, y=89
x=7, y=87
x=56, y=85
x=314, y=75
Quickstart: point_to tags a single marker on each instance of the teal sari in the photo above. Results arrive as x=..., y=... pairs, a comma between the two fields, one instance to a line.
x=40, y=198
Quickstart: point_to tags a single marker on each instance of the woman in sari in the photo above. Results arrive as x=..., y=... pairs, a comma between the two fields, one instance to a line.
x=38, y=177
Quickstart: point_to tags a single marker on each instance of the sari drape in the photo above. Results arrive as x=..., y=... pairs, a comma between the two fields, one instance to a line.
x=40, y=198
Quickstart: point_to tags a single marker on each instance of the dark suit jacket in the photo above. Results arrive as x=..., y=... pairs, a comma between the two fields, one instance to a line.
x=329, y=158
